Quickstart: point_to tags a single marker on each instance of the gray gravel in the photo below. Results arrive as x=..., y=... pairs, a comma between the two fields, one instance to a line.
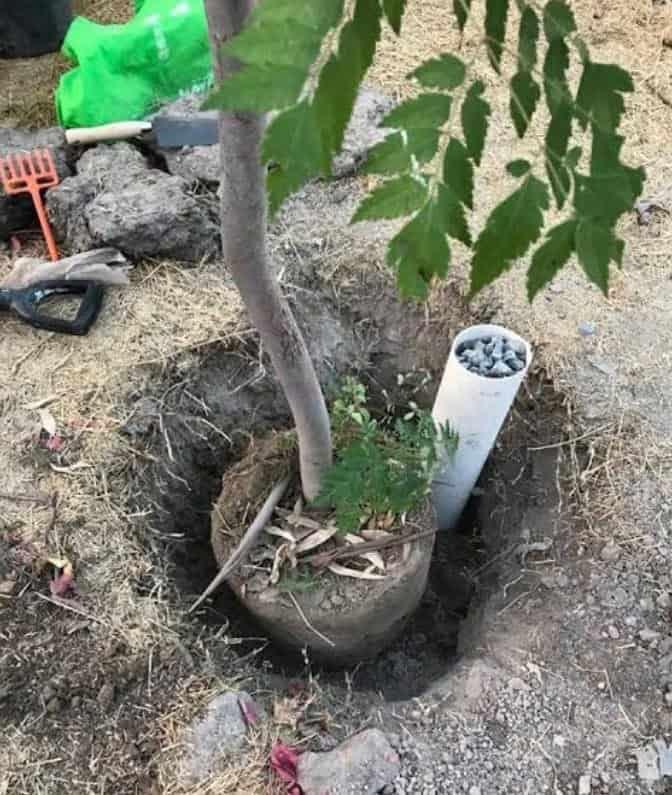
x=492, y=357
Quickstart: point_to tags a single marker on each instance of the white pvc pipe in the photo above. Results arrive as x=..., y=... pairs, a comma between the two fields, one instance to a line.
x=476, y=407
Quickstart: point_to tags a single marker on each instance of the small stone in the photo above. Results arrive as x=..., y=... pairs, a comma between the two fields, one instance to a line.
x=647, y=764
x=584, y=785
x=664, y=600
x=631, y=621
x=48, y=693
x=474, y=790
x=586, y=329
x=518, y=348
x=500, y=370
x=668, y=698
x=559, y=741
x=516, y=683
x=7, y=586
x=613, y=632
x=610, y=552
x=75, y=702
x=363, y=764
x=648, y=635
x=106, y=695
x=646, y=604
x=53, y=706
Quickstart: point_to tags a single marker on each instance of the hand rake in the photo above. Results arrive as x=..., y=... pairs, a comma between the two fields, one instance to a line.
x=31, y=172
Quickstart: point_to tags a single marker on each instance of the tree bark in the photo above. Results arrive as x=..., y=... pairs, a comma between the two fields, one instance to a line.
x=243, y=228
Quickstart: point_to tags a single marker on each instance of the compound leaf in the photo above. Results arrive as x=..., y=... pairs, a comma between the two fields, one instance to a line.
x=426, y=110
x=496, y=12
x=446, y=72
x=458, y=172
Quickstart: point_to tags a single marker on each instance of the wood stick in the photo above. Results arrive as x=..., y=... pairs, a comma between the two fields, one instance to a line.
x=248, y=540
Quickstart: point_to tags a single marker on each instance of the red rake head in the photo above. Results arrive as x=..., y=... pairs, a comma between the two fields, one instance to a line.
x=27, y=171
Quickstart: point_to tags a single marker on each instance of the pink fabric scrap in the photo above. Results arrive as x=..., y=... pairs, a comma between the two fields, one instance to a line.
x=284, y=762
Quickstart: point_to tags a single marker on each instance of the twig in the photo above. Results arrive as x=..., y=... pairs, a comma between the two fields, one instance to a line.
x=307, y=623
x=43, y=500
x=323, y=559
x=247, y=542
x=566, y=442
x=54, y=600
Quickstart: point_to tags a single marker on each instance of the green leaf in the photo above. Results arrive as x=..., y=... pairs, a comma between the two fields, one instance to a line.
x=557, y=138
x=528, y=36
x=496, y=12
x=446, y=72
x=394, y=12
x=420, y=251
x=573, y=157
x=423, y=143
x=292, y=141
x=341, y=76
x=525, y=94
x=595, y=246
x=461, y=10
x=287, y=42
x=556, y=87
x=458, y=173
x=509, y=231
x=475, y=112
x=600, y=95
x=394, y=198
x=550, y=257
x=426, y=110
x=558, y=20
x=388, y=157
x=258, y=89
x=518, y=168
x=452, y=213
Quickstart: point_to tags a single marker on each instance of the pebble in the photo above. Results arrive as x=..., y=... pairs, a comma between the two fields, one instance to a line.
x=648, y=635
x=584, y=785
x=613, y=632
x=492, y=357
x=664, y=600
x=53, y=706
x=106, y=695
x=610, y=552
x=586, y=329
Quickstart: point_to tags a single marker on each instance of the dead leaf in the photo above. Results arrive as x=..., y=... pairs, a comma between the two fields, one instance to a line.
x=281, y=555
x=7, y=587
x=316, y=539
x=304, y=521
x=48, y=421
x=376, y=535
x=71, y=468
x=345, y=571
x=280, y=533
x=375, y=558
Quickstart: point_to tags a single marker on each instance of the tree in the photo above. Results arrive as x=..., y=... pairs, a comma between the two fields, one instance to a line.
x=303, y=62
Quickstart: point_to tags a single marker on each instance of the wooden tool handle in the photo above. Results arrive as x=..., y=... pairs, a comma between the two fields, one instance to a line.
x=106, y=132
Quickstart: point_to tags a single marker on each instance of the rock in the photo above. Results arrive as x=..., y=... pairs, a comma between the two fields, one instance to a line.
x=362, y=765
x=500, y=370
x=664, y=600
x=7, y=586
x=219, y=732
x=17, y=212
x=474, y=790
x=117, y=200
x=586, y=329
x=584, y=785
x=647, y=764
x=613, y=632
x=106, y=695
x=610, y=552
x=516, y=683
x=53, y=706
x=648, y=635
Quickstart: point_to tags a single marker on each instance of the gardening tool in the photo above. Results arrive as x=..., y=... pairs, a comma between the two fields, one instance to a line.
x=167, y=132
x=26, y=302
x=31, y=172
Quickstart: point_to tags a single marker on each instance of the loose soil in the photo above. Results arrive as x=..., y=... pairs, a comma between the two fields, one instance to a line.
x=562, y=669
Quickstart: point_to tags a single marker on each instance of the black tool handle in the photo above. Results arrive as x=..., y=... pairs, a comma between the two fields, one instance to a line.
x=26, y=303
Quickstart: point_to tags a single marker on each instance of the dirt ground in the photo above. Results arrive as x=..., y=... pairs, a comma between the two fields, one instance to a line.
x=565, y=665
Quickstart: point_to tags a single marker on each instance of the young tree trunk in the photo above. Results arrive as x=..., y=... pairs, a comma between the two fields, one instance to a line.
x=243, y=227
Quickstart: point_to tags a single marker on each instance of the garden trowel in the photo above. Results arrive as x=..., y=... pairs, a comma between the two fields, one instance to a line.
x=165, y=131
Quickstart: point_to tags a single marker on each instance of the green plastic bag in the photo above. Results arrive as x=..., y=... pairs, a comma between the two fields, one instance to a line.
x=124, y=72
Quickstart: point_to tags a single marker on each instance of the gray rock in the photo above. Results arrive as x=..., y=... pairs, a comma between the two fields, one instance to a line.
x=500, y=370
x=647, y=764
x=586, y=329
x=362, y=765
x=584, y=785
x=17, y=212
x=610, y=552
x=648, y=635
x=157, y=216
x=222, y=730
